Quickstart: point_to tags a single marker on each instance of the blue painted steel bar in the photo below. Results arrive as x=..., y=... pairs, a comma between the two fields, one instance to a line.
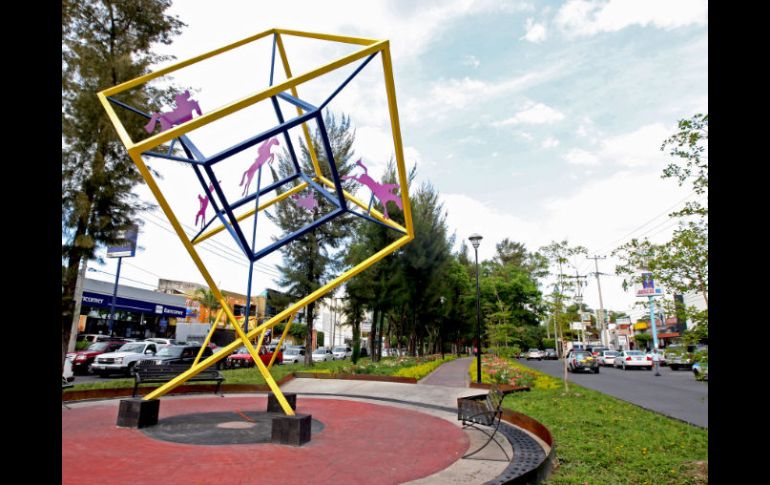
x=297, y=102
x=171, y=147
x=264, y=191
x=114, y=296
x=350, y=78
x=330, y=160
x=172, y=157
x=296, y=234
x=286, y=136
x=372, y=219
x=272, y=59
x=258, y=138
x=130, y=108
x=371, y=201
x=233, y=220
x=251, y=262
x=321, y=189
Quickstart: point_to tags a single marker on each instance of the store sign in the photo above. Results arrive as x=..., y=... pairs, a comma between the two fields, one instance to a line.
x=648, y=286
x=611, y=326
x=641, y=326
x=104, y=301
x=127, y=249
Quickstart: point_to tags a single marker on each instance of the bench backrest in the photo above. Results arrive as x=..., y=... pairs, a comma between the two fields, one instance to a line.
x=172, y=370
x=494, y=398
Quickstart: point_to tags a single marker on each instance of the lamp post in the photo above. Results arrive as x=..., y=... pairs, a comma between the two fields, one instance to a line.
x=475, y=240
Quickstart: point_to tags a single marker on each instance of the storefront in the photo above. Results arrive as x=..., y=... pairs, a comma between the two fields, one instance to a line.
x=139, y=313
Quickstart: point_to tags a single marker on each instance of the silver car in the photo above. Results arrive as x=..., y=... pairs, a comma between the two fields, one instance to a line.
x=322, y=354
x=633, y=358
x=342, y=352
x=607, y=357
x=535, y=354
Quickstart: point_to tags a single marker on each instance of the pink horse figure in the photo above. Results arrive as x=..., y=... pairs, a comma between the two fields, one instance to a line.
x=183, y=112
x=384, y=192
x=308, y=202
x=263, y=155
x=204, y=201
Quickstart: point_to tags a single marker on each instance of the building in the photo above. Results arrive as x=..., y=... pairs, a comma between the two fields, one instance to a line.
x=332, y=322
x=198, y=313
x=139, y=313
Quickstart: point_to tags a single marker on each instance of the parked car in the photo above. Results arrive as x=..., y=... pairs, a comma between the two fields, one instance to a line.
x=293, y=355
x=82, y=360
x=534, y=354
x=168, y=341
x=607, y=357
x=242, y=358
x=322, y=354
x=67, y=374
x=596, y=351
x=342, y=352
x=701, y=370
x=632, y=358
x=176, y=354
x=684, y=357
x=582, y=360
x=550, y=354
x=123, y=360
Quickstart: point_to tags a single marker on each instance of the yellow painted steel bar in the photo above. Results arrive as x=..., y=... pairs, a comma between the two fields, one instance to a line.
x=390, y=88
x=374, y=212
x=179, y=65
x=294, y=92
x=333, y=38
x=279, y=198
x=208, y=338
x=179, y=130
x=194, y=370
x=280, y=342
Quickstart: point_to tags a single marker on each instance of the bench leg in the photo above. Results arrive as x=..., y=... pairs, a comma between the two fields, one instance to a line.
x=216, y=391
x=491, y=438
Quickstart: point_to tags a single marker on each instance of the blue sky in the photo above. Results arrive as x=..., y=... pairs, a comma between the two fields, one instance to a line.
x=536, y=121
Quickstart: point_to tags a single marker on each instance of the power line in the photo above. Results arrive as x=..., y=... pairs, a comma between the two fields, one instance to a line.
x=153, y=285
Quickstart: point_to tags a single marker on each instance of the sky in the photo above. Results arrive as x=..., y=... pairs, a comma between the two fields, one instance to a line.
x=535, y=121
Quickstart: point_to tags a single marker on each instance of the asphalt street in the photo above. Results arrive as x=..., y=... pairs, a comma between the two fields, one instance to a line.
x=675, y=393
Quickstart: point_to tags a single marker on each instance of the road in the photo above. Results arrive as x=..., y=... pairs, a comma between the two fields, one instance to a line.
x=675, y=393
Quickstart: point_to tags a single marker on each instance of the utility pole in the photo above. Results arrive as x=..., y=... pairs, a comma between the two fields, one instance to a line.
x=579, y=300
x=602, y=323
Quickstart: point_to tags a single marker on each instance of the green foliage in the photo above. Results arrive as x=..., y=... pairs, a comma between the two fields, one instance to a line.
x=422, y=370
x=690, y=146
x=320, y=338
x=549, y=343
x=206, y=297
x=81, y=345
x=642, y=340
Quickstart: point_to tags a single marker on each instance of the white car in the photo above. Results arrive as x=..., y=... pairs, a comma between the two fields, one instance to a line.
x=535, y=354
x=67, y=376
x=342, y=352
x=123, y=360
x=293, y=355
x=322, y=354
x=633, y=358
x=607, y=357
x=164, y=341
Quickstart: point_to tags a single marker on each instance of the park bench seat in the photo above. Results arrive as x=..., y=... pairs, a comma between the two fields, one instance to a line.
x=166, y=372
x=482, y=410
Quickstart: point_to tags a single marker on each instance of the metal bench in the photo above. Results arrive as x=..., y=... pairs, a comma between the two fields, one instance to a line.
x=482, y=410
x=166, y=372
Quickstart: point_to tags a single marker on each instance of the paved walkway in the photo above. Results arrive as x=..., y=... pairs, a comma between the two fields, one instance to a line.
x=451, y=374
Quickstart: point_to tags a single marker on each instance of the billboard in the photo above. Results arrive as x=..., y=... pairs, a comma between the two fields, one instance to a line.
x=648, y=286
x=128, y=248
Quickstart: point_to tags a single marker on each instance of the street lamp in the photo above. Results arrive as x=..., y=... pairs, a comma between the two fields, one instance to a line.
x=475, y=240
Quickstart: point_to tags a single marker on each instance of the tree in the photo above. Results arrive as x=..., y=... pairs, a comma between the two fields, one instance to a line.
x=309, y=261
x=206, y=297
x=690, y=144
x=104, y=43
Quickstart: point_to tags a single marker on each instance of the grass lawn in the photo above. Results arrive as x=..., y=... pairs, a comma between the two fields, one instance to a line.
x=600, y=439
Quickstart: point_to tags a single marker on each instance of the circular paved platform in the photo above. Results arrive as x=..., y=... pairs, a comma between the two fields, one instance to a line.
x=353, y=442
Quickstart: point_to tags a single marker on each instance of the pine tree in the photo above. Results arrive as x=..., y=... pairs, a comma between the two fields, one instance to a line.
x=104, y=43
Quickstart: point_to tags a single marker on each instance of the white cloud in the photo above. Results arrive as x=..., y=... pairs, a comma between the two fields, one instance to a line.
x=577, y=156
x=550, y=142
x=533, y=114
x=535, y=32
x=582, y=17
x=471, y=60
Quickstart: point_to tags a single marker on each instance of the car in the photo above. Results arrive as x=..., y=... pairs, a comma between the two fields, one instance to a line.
x=242, y=358
x=322, y=354
x=701, y=370
x=123, y=360
x=632, y=358
x=607, y=357
x=342, y=352
x=176, y=354
x=582, y=360
x=294, y=355
x=82, y=360
x=67, y=374
x=550, y=354
x=597, y=350
x=534, y=354
x=168, y=341
x=680, y=357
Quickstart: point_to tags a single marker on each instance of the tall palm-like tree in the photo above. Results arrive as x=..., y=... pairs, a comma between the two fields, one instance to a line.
x=206, y=297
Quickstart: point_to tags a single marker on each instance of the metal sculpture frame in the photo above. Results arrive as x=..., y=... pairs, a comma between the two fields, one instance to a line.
x=305, y=112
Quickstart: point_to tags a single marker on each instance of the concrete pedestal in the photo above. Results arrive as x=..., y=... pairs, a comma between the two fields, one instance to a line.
x=291, y=430
x=273, y=406
x=138, y=413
